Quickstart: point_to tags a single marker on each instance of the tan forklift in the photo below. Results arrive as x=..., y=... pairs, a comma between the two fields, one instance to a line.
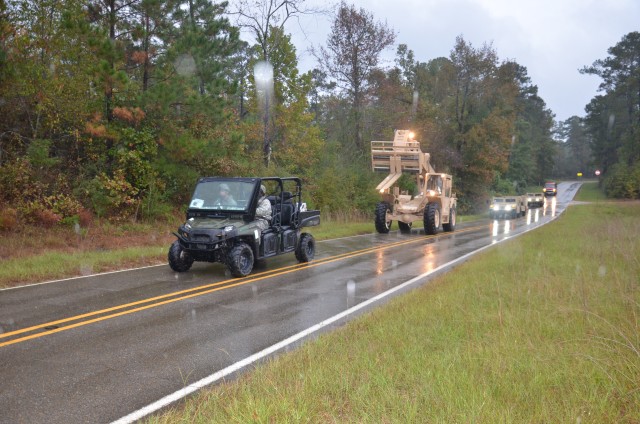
x=434, y=204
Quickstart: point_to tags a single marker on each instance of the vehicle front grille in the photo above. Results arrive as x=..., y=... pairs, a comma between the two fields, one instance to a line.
x=201, y=237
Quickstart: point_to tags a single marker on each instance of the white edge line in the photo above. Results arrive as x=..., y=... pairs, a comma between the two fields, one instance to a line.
x=179, y=394
x=77, y=277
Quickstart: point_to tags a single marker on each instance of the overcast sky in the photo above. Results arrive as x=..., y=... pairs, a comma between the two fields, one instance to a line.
x=551, y=38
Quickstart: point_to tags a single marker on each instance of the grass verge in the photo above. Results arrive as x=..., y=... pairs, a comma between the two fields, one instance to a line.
x=542, y=328
x=590, y=192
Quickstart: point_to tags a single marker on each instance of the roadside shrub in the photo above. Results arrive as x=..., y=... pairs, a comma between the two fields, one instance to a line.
x=111, y=197
x=85, y=217
x=8, y=218
x=623, y=182
x=51, y=210
x=17, y=181
x=45, y=218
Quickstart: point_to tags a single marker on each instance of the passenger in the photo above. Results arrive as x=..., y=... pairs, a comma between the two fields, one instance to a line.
x=263, y=211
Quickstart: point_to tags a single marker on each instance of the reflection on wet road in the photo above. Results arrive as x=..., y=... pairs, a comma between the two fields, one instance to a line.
x=97, y=348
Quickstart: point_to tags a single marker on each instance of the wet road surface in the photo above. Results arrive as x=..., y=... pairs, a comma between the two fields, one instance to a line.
x=94, y=349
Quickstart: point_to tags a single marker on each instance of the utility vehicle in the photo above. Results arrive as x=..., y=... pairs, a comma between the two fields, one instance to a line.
x=223, y=227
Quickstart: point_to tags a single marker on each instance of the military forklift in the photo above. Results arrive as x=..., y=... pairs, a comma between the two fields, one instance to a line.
x=434, y=204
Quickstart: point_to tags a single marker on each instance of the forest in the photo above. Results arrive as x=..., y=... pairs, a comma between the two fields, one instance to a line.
x=114, y=108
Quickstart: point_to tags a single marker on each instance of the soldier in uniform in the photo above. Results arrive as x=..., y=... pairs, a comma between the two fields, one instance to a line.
x=263, y=211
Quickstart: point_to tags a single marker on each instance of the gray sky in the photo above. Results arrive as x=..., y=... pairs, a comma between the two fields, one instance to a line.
x=551, y=38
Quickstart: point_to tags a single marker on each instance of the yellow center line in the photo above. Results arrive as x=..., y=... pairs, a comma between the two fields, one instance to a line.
x=201, y=291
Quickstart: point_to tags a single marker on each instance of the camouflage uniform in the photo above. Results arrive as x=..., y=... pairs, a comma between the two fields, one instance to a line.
x=263, y=211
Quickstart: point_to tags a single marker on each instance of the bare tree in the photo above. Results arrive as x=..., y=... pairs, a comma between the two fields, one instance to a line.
x=266, y=20
x=353, y=52
x=260, y=16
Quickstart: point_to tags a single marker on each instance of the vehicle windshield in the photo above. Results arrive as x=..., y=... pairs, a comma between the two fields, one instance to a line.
x=498, y=200
x=550, y=185
x=511, y=200
x=222, y=195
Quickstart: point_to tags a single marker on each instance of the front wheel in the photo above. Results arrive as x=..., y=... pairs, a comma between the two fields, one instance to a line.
x=306, y=249
x=383, y=222
x=240, y=260
x=179, y=259
x=431, y=218
x=452, y=221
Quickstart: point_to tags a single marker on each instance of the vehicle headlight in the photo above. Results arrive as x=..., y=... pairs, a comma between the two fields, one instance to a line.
x=229, y=228
x=529, y=199
x=495, y=207
x=507, y=208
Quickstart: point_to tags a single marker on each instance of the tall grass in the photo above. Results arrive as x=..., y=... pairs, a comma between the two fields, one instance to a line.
x=542, y=328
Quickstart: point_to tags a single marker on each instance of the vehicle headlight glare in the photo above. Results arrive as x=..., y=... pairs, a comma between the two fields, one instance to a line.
x=228, y=228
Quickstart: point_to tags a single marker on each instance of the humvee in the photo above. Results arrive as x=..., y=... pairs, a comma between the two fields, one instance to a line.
x=508, y=207
x=535, y=200
x=228, y=231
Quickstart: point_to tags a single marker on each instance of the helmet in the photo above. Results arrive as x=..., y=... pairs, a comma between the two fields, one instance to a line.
x=224, y=187
x=263, y=189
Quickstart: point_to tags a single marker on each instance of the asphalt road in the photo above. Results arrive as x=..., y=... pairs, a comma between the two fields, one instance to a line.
x=97, y=348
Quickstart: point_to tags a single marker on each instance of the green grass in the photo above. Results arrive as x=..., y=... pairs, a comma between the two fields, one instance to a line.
x=60, y=264
x=542, y=328
x=590, y=192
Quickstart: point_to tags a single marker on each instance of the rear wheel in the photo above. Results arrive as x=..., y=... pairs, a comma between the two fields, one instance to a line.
x=306, y=249
x=383, y=222
x=240, y=260
x=452, y=221
x=431, y=218
x=179, y=259
x=405, y=228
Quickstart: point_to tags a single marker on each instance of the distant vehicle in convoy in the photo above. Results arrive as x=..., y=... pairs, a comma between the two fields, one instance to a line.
x=222, y=225
x=434, y=204
x=508, y=207
x=535, y=200
x=550, y=189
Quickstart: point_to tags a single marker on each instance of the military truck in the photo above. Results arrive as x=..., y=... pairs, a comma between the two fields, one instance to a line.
x=434, y=204
x=508, y=207
x=535, y=200
x=222, y=225
x=550, y=188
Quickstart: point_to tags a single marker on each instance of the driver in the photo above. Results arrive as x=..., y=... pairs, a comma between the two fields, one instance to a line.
x=225, y=198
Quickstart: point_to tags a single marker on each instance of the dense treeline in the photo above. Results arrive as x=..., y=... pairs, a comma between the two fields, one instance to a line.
x=613, y=118
x=114, y=107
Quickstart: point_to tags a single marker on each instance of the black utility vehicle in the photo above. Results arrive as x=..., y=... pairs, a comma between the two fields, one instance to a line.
x=225, y=228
